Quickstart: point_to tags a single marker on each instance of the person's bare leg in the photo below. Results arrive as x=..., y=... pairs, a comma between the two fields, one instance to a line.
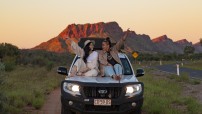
x=73, y=71
x=116, y=77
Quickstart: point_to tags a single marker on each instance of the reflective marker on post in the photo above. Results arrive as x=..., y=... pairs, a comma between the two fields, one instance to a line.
x=178, y=71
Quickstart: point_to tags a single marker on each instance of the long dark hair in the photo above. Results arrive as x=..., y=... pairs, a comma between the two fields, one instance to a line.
x=86, y=51
x=107, y=40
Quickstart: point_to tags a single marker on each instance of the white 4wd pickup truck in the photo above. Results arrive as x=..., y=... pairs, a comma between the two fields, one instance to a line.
x=102, y=95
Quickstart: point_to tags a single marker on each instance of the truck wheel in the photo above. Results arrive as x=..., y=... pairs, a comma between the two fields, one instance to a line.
x=138, y=111
x=65, y=111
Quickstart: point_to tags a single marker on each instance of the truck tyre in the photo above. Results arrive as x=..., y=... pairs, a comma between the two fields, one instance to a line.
x=65, y=111
x=138, y=111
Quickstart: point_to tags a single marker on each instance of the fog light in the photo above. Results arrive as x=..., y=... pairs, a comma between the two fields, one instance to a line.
x=133, y=104
x=70, y=103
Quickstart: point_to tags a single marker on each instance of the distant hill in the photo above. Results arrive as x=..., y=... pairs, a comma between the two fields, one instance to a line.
x=167, y=45
x=198, y=48
x=184, y=43
x=138, y=42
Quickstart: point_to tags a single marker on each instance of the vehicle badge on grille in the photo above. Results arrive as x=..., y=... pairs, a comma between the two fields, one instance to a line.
x=110, y=96
x=102, y=91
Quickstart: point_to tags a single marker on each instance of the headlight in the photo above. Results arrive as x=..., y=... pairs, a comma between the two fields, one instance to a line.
x=71, y=88
x=129, y=89
x=133, y=90
x=75, y=88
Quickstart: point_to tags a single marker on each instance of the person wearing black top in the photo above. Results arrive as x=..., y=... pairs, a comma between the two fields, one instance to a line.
x=110, y=63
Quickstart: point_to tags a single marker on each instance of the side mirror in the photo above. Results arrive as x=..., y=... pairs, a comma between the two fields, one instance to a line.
x=139, y=72
x=62, y=70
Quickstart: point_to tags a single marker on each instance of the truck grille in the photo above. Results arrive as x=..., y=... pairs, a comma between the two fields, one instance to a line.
x=102, y=92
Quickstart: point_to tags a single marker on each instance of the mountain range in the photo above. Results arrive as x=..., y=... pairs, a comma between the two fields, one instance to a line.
x=138, y=42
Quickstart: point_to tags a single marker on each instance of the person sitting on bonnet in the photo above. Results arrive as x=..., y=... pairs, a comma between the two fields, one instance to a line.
x=110, y=63
x=87, y=64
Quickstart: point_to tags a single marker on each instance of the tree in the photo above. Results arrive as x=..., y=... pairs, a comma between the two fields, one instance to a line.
x=7, y=49
x=189, y=50
x=8, y=55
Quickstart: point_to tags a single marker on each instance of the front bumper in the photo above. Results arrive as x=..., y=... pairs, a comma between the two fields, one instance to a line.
x=122, y=104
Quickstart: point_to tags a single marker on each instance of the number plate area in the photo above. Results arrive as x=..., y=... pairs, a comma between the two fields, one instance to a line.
x=102, y=102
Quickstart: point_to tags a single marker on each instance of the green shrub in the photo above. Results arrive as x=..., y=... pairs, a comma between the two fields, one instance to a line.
x=195, y=81
x=49, y=66
x=9, y=66
x=184, y=77
x=44, y=58
x=38, y=102
x=2, y=101
x=2, y=67
x=39, y=60
x=193, y=106
x=7, y=49
x=10, y=63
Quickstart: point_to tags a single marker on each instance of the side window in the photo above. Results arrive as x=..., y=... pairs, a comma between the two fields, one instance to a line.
x=126, y=66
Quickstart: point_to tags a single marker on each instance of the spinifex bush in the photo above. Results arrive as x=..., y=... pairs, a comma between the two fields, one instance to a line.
x=2, y=67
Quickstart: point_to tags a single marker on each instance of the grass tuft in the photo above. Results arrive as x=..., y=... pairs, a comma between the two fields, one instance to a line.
x=38, y=102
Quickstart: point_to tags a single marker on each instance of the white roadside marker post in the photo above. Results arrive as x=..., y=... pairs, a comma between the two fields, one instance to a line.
x=178, y=70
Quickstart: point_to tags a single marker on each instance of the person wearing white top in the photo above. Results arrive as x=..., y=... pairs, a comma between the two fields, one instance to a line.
x=87, y=64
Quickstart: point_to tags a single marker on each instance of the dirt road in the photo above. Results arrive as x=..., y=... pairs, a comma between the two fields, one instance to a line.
x=52, y=104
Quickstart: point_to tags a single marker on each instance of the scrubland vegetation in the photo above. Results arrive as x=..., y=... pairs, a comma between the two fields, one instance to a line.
x=27, y=76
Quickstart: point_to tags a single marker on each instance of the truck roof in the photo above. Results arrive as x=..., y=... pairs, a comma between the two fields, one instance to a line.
x=98, y=42
x=121, y=55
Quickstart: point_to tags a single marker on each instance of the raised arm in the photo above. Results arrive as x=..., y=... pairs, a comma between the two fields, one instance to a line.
x=120, y=43
x=76, y=48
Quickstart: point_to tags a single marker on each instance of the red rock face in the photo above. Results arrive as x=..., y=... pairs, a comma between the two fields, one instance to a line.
x=76, y=31
x=141, y=43
x=86, y=30
x=163, y=38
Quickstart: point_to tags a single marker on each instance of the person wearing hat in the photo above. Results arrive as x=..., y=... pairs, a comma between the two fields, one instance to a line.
x=110, y=63
x=87, y=64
